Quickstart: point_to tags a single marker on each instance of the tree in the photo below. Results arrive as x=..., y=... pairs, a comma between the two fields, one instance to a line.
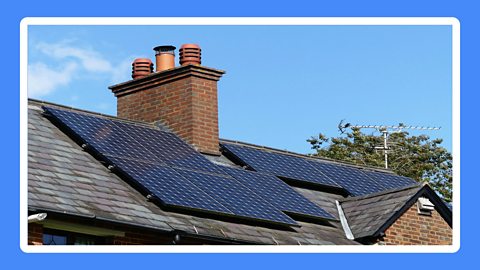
x=417, y=157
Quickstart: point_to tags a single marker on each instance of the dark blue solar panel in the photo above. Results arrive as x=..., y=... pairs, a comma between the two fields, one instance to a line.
x=390, y=181
x=236, y=197
x=100, y=133
x=278, y=193
x=352, y=179
x=168, y=148
x=168, y=185
x=278, y=164
x=123, y=139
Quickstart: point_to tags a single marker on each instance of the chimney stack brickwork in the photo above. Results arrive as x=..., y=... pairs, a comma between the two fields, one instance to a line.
x=183, y=98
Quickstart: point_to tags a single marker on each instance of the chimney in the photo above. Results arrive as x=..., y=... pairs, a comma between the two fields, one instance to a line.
x=183, y=98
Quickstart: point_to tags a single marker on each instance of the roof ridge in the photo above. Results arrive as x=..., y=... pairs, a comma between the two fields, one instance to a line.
x=308, y=156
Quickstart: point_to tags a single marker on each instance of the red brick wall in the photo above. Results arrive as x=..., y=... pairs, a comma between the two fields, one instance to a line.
x=188, y=106
x=415, y=229
x=35, y=234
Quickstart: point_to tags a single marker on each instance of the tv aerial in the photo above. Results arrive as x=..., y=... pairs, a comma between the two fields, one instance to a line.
x=385, y=130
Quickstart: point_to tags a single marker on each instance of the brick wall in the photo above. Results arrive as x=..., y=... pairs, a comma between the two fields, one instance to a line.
x=35, y=234
x=415, y=229
x=184, y=99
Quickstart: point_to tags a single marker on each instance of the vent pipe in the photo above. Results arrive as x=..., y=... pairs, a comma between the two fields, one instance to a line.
x=141, y=67
x=164, y=57
x=190, y=54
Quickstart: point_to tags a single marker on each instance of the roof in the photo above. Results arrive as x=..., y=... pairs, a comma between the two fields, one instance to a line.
x=370, y=215
x=63, y=178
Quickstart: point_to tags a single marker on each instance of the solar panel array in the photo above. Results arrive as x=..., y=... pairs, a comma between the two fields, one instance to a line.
x=168, y=168
x=282, y=165
x=165, y=166
x=278, y=193
x=356, y=181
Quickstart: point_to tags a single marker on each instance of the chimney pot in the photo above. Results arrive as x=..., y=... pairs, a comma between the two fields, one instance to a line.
x=164, y=57
x=190, y=54
x=141, y=67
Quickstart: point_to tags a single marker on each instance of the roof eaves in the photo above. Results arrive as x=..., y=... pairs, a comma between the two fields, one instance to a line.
x=96, y=217
x=173, y=231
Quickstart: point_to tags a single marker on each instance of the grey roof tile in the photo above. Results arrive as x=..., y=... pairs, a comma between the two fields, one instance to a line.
x=366, y=214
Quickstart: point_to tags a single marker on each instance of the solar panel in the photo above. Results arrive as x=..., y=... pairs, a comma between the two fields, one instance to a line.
x=390, y=181
x=278, y=164
x=168, y=148
x=100, y=133
x=278, y=193
x=352, y=179
x=237, y=198
x=116, y=138
x=170, y=187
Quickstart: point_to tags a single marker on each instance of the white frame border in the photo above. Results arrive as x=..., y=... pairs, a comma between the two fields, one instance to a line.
x=239, y=21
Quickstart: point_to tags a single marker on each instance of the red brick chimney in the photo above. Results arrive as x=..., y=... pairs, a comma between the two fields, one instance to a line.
x=183, y=98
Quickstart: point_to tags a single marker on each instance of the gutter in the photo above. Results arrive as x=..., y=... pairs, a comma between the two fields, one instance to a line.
x=343, y=220
x=180, y=235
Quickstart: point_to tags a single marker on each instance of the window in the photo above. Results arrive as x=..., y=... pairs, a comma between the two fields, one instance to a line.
x=51, y=239
x=57, y=237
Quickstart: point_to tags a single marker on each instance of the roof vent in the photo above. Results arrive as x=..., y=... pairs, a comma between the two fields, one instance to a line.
x=425, y=206
x=141, y=67
x=190, y=54
x=164, y=57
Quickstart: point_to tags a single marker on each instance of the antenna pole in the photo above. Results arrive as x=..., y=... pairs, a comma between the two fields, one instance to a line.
x=385, y=147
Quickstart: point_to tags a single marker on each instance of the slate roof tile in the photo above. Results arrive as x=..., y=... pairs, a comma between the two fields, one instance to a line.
x=366, y=214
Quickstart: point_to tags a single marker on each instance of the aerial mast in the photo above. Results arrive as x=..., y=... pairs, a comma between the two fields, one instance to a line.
x=385, y=130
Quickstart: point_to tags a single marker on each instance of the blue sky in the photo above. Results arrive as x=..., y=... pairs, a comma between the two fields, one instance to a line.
x=283, y=83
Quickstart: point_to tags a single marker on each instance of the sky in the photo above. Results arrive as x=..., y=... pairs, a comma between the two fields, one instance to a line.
x=283, y=84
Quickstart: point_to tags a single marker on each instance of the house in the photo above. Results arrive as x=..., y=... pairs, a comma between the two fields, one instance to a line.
x=158, y=174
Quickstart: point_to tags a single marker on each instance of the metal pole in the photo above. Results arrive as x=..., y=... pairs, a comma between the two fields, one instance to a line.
x=385, y=148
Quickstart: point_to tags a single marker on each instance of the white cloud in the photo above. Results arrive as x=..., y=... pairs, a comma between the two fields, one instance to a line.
x=89, y=59
x=42, y=79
